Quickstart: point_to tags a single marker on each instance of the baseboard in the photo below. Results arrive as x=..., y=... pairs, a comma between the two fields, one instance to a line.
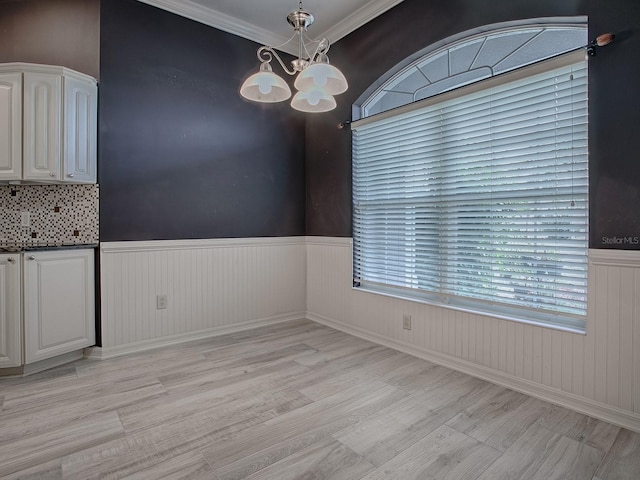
x=579, y=404
x=102, y=353
x=42, y=365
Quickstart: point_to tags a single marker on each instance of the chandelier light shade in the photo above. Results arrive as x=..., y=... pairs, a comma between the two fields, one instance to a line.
x=321, y=74
x=265, y=86
x=317, y=81
x=313, y=101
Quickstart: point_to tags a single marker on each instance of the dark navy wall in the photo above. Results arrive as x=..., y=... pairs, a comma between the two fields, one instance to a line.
x=614, y=103
x=181, y=155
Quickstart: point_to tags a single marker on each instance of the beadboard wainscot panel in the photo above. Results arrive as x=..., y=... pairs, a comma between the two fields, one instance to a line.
x=597, y=374
x=213, y=287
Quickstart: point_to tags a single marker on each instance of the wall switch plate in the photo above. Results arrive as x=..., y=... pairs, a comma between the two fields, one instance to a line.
x=406, y=322
x=25, y=219
x=161, y=302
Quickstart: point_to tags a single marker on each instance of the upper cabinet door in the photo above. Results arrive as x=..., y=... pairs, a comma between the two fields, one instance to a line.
x=10, y=126
x=80, y=130
x=42, y=121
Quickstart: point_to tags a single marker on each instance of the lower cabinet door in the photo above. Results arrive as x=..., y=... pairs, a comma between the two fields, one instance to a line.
x=59, y=303
x=10, y=315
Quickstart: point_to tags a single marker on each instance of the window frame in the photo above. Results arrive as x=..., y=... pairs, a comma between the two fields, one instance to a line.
x=560, y=321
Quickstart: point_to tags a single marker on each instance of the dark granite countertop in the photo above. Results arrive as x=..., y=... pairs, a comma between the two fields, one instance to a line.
x=33, y=248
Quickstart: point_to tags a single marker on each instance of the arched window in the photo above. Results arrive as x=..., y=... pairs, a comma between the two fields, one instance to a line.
x=470, y=180
x=470, y=57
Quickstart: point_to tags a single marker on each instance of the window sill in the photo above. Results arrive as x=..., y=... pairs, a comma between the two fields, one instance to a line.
x=544, y=321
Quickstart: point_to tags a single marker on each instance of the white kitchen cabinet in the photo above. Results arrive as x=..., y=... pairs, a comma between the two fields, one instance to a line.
x=80, y=129
x=51, y=113
x=10, y=319
x=59, y=308
x=47, y=307
x=10, y=125
x=41, y=116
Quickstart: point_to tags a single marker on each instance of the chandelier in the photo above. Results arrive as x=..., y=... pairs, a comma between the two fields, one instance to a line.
x=317, y=81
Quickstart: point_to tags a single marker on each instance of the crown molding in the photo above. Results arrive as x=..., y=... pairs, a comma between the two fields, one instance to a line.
x=219, y=20
x=227, y=23
x=361, y=16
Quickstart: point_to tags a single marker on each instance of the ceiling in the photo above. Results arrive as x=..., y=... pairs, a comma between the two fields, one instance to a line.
x=265, y=21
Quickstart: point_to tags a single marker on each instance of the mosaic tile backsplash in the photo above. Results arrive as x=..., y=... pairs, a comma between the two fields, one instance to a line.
x=57, y=215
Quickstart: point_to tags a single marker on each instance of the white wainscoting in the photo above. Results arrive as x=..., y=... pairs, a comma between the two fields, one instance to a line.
x=597, y=373
x=226, y=285
x=212, y=287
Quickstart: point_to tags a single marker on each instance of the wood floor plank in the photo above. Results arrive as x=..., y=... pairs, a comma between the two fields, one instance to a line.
x=325, y=379
x=275, y=439
x=326, y=460
x=330, y=385
x=445, y=454
x=38, y=382
x=143, y=450
x=356, y=360
x=35, y=417
x=188, y=466
x=213, y=377
x=623, y=460
x=218, y=405
x=417, y=375
x=274, y=335
x=222, y=352
x=342, y=348
x=231, y=463
x=585, y=429
x=45, y=471
x=265, y=357
x=541, y=454
x=156, y=362
x=225, y=354
x=324, y=340
x=45, y=446
x=71, y=388
x=396, y=428
x=500, y=419
x=410, y=374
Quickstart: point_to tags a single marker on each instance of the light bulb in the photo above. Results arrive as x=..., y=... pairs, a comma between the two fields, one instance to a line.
x=264, y=85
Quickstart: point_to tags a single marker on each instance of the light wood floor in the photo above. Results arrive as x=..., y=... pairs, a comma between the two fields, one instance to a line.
x=293, y=401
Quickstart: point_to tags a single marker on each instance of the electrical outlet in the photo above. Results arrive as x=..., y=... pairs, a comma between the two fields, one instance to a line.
x=161, y=302
x=406, y=322
x=25, y=219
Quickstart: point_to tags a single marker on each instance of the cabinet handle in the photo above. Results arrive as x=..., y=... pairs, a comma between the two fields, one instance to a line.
x=70, y=175
x=31, y=257
x=51, y=174
x=11, y=259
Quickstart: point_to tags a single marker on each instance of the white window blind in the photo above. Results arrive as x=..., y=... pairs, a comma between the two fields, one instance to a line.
x=480, y=200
